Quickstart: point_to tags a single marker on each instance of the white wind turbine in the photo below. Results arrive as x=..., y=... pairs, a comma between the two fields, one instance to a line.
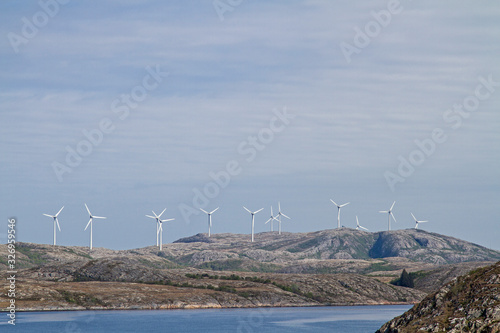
x=157, y=218
x=209, y=218
x=55, y=222
x=271, y=219
x=338, y=208
x=160, y=230
x=90, y=223
x=417, y=221
x=280, y=214
x=358, y=226
x=389, y=213
x=253, y=217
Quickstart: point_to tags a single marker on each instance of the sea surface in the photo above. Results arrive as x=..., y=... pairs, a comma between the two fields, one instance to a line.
x=316, y=319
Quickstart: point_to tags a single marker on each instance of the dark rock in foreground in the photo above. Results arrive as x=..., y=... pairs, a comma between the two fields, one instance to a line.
x=470, y=303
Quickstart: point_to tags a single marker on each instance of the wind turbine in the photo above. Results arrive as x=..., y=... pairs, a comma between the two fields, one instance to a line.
x=157, y=218
x=338, y=215
x=209, y=218
x=160, y=230
x=280, y=214
x=358, y=226
x=253, y=217
x=417, y=221
x=90, y=223
x=271, y=219
x=389, y=214
x=55, y=222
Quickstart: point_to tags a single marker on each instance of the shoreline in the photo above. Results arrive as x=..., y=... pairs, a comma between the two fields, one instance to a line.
x=201, y=307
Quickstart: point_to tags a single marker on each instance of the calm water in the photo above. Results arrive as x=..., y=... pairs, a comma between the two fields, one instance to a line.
x=276, y=320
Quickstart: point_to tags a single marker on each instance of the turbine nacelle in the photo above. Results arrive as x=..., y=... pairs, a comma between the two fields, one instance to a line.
x=390, y=214
x=358, y=226
x=338, y=208
x=417, y=221
x=56, y=222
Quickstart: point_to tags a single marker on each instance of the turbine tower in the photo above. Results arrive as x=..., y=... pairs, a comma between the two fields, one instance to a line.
x=417, y=221
x=338, y=208
x=253, y=217
x=157, y=218
x=280, y=214
x=55, y=222
x=160, y=230
x=271, y=219
x=90, y=223
x=209, y=218
x=389, y=214
x=358, y=226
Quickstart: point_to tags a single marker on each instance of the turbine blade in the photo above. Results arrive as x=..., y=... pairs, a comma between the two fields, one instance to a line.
x=383, y=211
x=357, y=222
x=90, y=221
x=285, y=216
x=167, y=220
x=98, y=217
x=162, y=212
x=60, y=210
x=247, y=210
x=344, y=205
x=393, y=205
x=364, y=228
x=414, y=217
x=393, y=217
x=57, y=222
x=334, y=202
x=279, y=208
x=152, y=217
x=258, y=210
x=214, y=210
x=88, y=210
x=268, y=221
x=204, y=211
x=49, y=215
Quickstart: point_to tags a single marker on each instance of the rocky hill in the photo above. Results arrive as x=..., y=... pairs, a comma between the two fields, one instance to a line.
x=315, y=252
x=470, y=303
x=343, y=266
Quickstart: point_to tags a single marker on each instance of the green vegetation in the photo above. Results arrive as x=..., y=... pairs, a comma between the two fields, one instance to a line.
x=296, y=290
x=35, y=258
x=159, y=265
x=223, y=288
x=232, y=277
x=405, y=280
x=380, y=266
x=81, y=299
x=223, y=265
x=84, y=255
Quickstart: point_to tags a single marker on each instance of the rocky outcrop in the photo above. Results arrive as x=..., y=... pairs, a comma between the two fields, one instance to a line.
x=279, y=253
x=420, y=245
x=121, y=283
x=470, y=303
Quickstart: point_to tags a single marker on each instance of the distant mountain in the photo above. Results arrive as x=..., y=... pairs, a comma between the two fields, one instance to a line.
x=314, y=252
x=470, y=303
x=345, y=243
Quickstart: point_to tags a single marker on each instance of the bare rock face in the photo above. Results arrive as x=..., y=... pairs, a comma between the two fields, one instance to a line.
x=198, y=238
x=470, y=303
x=209, y=255
x=420, y=245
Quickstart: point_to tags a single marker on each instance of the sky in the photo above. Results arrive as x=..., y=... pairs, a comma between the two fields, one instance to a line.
x=137, y=106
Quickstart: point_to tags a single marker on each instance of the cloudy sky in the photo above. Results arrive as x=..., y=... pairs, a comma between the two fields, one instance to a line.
x=133, y=106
